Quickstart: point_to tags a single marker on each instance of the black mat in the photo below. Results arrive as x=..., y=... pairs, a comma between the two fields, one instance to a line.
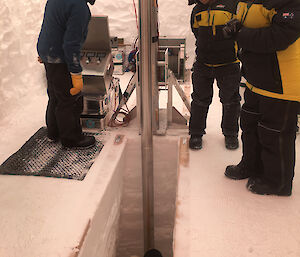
x=39, y=156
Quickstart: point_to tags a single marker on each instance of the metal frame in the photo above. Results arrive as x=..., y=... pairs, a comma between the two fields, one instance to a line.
x=147, y=105
x=146, y=67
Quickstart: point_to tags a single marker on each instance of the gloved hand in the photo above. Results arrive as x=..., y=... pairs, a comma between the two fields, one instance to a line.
x=231, y=28
x=77, y=82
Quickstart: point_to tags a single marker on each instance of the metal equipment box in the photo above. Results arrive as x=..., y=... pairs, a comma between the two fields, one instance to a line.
x=99, y=109
x=176, y=56
x=96, y=58
x=97, y=70
x=118, y=56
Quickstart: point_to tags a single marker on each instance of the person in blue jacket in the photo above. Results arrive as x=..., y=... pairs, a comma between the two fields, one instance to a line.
x=62, y=35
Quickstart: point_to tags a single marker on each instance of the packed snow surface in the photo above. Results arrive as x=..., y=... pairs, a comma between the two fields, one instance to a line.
x=216, y=217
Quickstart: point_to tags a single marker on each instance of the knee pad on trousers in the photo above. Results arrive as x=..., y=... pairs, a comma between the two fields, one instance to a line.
x=233, y=110
x=249, y=120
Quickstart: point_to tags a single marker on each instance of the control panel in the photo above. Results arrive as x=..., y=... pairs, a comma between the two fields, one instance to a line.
x=100, y=91
x=92, y=57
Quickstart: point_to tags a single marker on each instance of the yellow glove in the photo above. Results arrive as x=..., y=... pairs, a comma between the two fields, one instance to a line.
x=77, y=84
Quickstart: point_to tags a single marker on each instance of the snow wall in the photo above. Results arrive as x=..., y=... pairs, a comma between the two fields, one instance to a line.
x=22, y=77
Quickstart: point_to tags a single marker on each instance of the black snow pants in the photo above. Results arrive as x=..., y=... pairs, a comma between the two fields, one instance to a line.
x=63, y=110
x=268, y=135
x=228, y=81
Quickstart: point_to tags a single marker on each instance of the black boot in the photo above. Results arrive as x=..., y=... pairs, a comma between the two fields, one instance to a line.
x=231, y=142
x=237, y=172
x=153, y=253
x=52, y=136
x=83, y=142
x=259, y=186
x=195, y=142
x=53, y=139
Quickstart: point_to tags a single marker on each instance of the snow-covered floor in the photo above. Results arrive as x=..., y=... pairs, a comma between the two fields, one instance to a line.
x=216, y=217
x=219, y=217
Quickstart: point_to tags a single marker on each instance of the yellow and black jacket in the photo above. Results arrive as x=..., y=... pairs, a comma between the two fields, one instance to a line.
x=270, y=47
x=207, y=22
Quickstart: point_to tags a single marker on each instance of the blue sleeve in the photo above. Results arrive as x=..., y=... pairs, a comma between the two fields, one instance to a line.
x=75, y=34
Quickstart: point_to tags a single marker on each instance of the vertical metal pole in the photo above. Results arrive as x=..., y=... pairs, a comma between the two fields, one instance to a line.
x=146, y=111
x=169, y=84
x=154, y=56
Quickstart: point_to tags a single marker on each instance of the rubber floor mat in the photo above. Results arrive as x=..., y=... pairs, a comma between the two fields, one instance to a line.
x=40, y=156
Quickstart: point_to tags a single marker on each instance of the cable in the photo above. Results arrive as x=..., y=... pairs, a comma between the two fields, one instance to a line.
x=121, y=123
x=136, y=17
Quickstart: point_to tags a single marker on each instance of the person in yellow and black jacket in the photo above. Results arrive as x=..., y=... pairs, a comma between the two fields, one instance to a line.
x=268, y=32
x=215, y=59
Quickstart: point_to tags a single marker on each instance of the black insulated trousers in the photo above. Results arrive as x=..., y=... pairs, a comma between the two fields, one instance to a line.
x=63, y=110
x=268, y=135
x=228, y=81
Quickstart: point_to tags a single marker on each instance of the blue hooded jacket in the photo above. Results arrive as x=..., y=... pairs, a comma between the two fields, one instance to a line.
x=63, y=32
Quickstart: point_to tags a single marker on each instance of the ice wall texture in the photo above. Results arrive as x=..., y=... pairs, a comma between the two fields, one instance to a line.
x=21, y=76
x=173, y=15
x=174, y=19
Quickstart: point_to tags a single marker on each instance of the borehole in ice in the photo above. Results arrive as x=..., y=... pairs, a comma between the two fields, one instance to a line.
x=130, y=234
